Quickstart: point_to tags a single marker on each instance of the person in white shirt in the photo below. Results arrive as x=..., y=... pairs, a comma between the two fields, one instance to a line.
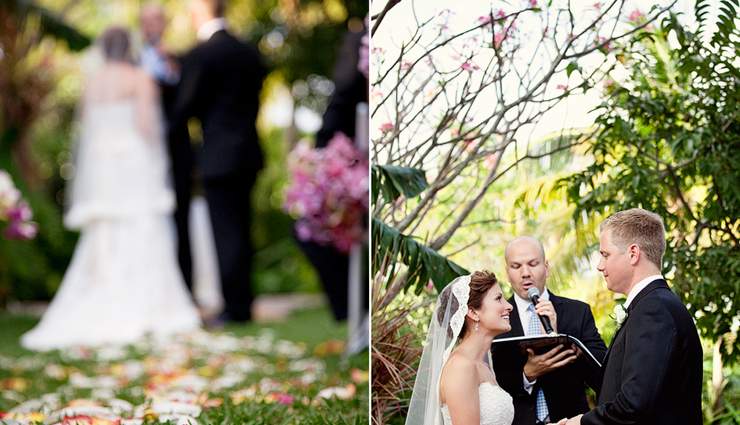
x=551, y=385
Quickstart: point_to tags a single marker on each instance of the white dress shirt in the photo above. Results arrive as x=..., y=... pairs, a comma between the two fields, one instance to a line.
x=639, y=286
x=209, y=28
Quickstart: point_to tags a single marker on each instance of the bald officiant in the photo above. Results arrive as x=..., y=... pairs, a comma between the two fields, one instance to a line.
x=550, y=386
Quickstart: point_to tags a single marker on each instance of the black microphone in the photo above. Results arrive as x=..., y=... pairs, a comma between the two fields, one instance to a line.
x=534, y=296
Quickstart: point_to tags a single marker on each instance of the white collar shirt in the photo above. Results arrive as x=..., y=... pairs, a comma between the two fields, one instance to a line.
x=211, y=27
x=639, y=286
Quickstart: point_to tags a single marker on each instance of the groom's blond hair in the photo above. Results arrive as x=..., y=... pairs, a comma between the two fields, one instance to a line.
x=640, y=227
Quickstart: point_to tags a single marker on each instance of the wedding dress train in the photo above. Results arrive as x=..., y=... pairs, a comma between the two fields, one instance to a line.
x=123, y=281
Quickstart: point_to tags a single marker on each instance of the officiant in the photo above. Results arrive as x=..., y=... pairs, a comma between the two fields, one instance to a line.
x=548, y=386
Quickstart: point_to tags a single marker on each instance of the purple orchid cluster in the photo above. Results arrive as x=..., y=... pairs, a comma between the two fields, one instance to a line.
x=15, y=211
x=328, y=193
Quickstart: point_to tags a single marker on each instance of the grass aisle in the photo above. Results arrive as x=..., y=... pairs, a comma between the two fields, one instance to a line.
x=281, y=373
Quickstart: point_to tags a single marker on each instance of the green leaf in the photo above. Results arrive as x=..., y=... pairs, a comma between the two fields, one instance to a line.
x=394, y=181
x=573, y=66
x=423, y=262
x=375, y=184
x=51, y=25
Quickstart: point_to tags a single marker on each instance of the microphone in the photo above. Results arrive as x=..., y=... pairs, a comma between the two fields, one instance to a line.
x=534, y=296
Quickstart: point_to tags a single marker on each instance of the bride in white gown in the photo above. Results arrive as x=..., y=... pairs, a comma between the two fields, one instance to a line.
x=455, y=383
x=123, y=281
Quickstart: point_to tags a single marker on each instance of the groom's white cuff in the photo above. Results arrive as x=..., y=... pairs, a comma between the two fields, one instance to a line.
x=528, y=385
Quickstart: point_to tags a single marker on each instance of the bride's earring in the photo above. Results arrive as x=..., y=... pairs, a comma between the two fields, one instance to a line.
x=476, y=325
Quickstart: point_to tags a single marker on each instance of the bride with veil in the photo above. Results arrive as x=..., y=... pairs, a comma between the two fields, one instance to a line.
x=455, y=383
x=123, y=281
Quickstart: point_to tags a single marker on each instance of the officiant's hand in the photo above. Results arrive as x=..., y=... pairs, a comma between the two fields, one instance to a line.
x=540, y=364
x=545, y=308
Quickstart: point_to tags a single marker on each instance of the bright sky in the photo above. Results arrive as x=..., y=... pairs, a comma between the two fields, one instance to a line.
x=573, y=112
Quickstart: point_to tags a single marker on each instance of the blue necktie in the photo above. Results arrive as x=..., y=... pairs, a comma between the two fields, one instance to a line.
x=536, y=329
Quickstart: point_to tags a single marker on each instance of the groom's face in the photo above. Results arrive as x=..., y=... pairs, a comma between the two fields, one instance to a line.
x=526, y=266
x=614, y=264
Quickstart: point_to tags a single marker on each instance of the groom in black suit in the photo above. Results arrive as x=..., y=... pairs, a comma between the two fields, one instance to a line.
x=552, y=384
x=653, y=369
x=220, y=86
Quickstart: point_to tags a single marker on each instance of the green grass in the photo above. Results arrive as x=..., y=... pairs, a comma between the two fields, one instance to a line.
x=312, y=334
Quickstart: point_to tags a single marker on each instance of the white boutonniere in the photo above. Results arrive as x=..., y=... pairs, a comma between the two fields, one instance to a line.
x=619, y=314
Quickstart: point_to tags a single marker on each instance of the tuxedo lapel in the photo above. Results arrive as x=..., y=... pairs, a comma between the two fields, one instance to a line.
x=557, y=304
x=658, y=283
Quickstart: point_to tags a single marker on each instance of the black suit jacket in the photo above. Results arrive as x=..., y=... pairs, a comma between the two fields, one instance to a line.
x=220, y=85
x=653, y=370
x=565, y=387
x=350, y=88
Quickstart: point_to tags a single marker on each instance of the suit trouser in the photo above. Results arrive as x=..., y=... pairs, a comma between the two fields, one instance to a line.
x=181, y=170
x=333, y=269
x=230, y=210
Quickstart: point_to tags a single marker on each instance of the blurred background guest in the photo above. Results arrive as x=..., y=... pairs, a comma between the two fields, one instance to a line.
x=163, y=68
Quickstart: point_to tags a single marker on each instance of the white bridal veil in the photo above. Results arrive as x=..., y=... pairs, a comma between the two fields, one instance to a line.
x=444, y=330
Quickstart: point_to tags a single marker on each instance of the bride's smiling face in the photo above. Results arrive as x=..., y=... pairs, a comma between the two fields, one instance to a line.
x=494, y=312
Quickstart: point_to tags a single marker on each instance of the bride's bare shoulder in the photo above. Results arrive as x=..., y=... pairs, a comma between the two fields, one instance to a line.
x=459, y=363
x=458, y=374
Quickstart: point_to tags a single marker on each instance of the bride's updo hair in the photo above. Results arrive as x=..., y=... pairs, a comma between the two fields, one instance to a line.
x=116, y=43
x=480, y=283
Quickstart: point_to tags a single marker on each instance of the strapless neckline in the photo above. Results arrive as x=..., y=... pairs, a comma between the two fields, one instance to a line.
x=496, y=406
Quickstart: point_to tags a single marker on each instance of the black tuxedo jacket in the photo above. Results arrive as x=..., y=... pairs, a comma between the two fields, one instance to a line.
x=653, y=370
x=564, y=388
x=350, y=88
x=220, y=85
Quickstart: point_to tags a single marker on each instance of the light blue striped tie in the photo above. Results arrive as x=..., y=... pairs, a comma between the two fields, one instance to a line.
x=536, y=329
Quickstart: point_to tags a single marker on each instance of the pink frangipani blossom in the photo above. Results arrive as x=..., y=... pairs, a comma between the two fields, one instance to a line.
x=469, y=66
x=636, y=16
x=386, y=127
x=498, y=39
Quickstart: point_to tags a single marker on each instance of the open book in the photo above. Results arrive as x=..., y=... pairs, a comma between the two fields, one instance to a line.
x=517, y=346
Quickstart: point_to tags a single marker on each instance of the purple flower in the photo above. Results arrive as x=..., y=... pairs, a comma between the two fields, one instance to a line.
x=21, y=212
x=21, y=230
x=328, y=192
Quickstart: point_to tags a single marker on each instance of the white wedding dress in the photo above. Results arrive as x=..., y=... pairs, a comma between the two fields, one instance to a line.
x=496, y=406
x=123, y=281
